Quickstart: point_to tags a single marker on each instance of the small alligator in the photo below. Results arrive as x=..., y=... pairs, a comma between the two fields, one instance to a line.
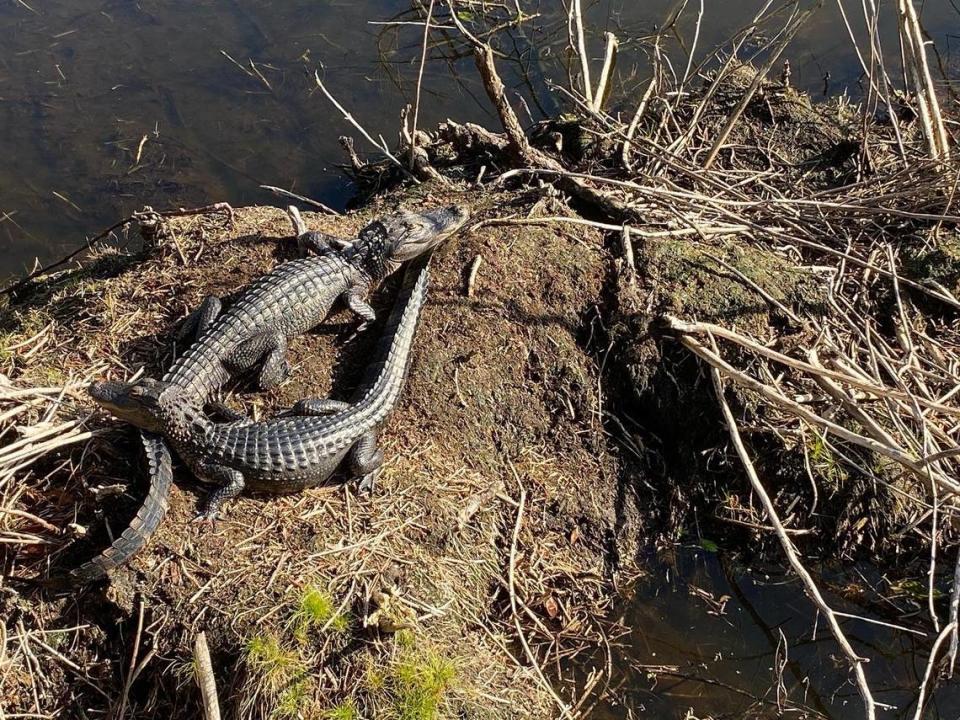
x=253, y=334
x=294, y=451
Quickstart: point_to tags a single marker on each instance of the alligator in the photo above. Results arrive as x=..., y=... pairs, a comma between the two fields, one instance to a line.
x=297, y=449
x=252, y=336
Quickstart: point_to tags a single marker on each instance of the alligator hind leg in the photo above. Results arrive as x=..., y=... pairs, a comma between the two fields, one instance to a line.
x=366, y=460
x=200, y=319
x=271, y=348
x=231, y=485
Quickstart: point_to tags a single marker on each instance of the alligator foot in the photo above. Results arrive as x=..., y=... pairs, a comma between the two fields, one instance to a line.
x=225, y=412
x=320, y=243
x=367, y=483
x=366, y=461
x=356, y=299
x=231, y=484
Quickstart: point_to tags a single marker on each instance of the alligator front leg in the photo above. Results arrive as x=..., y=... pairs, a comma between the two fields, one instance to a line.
x=231, y=484
x=225, y=412
x=320, y=243
x=270, y=347
x=200, y=319
x=356, y=299
x=366, y=461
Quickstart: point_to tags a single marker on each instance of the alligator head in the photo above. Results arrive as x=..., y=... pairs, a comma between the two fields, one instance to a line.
x=385, y=244
x=140, y=403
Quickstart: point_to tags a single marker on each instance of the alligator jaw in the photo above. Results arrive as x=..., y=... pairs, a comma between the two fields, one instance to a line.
x=384, y=245
x=419, y=233
x=446, y=221
x=136, y=403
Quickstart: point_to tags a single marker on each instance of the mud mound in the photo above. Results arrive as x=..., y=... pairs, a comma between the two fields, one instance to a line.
x=413, y=584
x=559, y=414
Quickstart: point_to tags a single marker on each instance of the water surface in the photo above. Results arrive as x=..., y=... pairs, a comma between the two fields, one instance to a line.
x=109, y=105
x=727, y=640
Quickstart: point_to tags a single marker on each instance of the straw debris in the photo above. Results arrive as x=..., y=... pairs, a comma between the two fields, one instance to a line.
x=732, y=264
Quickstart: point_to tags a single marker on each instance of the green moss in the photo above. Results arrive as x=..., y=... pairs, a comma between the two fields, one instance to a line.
x=941, y=264
x=293, y=700
x=20, y=326
x=276, y=665
x=418, y=685
x=825, y=463
x=405, y=638
x=694, y=284
x=317, y=609
x=53, y=376
x=376, y=679
x=340, y=623
x=316, y=606
x=344, y=711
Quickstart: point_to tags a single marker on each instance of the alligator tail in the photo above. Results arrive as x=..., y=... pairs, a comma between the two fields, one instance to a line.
x=148, y=517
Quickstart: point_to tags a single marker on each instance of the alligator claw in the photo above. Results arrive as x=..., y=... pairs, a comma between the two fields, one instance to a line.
x=205, y=518
x=357, y=331
x=367, y=482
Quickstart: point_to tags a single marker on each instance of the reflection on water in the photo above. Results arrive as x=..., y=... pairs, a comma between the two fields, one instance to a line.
x=107, y=105
x=726, y=641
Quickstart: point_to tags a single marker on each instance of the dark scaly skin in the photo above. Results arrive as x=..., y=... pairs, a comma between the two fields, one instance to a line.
x=300, y=450
x=253, y=332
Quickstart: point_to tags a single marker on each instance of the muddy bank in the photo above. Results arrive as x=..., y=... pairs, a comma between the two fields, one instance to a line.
x=504, y=403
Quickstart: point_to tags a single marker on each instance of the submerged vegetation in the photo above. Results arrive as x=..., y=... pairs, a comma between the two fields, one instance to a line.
x=715, y=311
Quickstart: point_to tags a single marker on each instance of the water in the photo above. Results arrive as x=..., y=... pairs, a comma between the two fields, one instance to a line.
x=724, y=629
x=108, y=105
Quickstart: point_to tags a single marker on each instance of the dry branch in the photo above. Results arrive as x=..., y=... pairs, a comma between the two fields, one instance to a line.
x=907, y=460
x=603, y=84
x=931, y=663
x=915, y=53
x=416, y=104
x=205, y=677
x=575, y=23
x=810, y=586
x=877, y=391
x=381, y=145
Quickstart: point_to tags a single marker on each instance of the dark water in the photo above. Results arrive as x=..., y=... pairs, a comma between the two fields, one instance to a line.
x=765, y=648
x=109, y=105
